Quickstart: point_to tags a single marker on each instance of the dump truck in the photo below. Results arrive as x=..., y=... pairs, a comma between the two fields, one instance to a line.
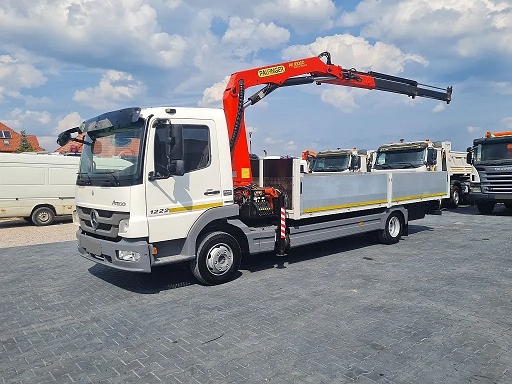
x=428, y=156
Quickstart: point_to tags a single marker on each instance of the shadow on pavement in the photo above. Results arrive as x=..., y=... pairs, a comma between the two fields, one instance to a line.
x=499, y=210
x=163, y=278
x=20, y=222
x=174, y=276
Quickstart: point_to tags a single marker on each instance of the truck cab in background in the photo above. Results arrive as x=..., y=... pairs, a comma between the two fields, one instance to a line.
x=427, y=156
x=340, y=160
x=491, y=181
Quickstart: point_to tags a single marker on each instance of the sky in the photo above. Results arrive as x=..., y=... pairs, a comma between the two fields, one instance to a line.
x=64, y=61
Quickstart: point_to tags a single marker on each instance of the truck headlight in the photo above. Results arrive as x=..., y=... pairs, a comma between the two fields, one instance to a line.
x=124, y=224
x=128, y=255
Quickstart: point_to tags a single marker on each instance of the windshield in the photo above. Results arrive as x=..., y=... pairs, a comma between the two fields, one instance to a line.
x=498, y=152
x=400, y=159
x=111, y=157
x=331, y=163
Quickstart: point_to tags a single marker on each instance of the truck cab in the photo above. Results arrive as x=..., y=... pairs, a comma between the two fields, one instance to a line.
x=129, y=184
x=340, y=160
x=491, y=181
x=427, y=156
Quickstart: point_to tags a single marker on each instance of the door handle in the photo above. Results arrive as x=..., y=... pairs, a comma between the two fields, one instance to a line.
x=210, y=192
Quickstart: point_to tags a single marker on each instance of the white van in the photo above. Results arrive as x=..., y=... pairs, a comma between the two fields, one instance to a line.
x=36, y=186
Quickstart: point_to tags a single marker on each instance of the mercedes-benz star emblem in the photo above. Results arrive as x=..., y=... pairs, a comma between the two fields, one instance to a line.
x=94, y=219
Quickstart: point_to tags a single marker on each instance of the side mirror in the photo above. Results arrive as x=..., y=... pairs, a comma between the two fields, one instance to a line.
x=65, y=137
x=469, y=157
x=174, y=149
x=355, y=162
x=431, y=156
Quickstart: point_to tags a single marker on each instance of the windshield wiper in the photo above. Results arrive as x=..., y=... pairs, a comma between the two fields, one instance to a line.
x=111, y=173
x=406, y=164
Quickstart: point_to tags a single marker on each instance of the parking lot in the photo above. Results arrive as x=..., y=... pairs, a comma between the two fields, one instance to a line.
x=434, y=308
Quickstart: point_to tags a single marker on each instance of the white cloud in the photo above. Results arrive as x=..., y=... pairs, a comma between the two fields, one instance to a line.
x=472, y=129
x=469, y=26
x=507, y=122
x=83, y=30
x=356, y=52
x=212, y=96
x=502, y=87
x=114, y=88
x=270, y=140
x=303, y=15
x=16, y=74
x=252, y=130
x=251, y=35
x=290, y=146
x=27, y=119
x=71, y=120
x=439, y=108
x=341, y=98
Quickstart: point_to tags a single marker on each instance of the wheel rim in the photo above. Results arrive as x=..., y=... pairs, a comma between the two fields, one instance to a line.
x=219, y=259
x=43, y=217
x=456, y=197
x=394, y=226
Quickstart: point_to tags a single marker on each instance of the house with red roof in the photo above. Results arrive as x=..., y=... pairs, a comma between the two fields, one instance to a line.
x=10, y=140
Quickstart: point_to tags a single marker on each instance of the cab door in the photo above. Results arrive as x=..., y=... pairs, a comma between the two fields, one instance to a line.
x=174, y=203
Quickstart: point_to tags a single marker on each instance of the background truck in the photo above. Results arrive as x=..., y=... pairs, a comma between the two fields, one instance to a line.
x=184, y=190
x=491, y=181
x=427, y=156
x=37, y=187
x=340, y=160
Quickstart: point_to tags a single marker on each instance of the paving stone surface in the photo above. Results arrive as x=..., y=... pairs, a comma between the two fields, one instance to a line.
x=434, y=308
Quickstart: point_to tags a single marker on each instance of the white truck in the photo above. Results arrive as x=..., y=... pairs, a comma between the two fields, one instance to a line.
x=427, y=156
x=37, y=187
x=340, y=160
x=166, y=185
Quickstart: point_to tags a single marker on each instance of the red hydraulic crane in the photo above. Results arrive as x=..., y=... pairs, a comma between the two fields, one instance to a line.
x=298, y=72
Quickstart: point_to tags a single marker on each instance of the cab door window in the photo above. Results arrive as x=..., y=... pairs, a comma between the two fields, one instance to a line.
x=197, y=148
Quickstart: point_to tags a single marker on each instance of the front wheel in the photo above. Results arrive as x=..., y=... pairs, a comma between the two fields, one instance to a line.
x=393, y=229
x=455, y=196
x=218, y=258
x=43, y=216
x=485, y=207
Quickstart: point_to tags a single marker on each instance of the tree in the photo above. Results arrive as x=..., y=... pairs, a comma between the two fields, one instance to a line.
x=25, y=145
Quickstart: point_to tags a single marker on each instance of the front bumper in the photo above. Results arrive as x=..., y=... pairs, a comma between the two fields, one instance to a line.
x=497, y=198
x=108, y=252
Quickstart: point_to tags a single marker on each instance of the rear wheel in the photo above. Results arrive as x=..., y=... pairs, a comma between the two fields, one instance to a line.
x=455, y=196
x=43, y=216
x=485, y=207
x=218, y=258
x=393, y=229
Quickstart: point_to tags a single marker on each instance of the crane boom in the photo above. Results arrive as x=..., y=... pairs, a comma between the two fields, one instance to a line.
x=298, y=72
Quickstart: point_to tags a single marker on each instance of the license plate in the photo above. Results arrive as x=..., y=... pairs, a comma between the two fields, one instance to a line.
x=503, y=197
x=92, y=247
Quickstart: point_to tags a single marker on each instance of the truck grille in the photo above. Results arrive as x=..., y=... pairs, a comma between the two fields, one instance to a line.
x=107, y=222
x=496, y=182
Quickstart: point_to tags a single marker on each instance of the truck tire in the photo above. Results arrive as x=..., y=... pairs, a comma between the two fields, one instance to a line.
x=455, y=196
x=485, y=207
x=217, y=259
x=42, y=216
x=393, y=229
x=508, y=205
